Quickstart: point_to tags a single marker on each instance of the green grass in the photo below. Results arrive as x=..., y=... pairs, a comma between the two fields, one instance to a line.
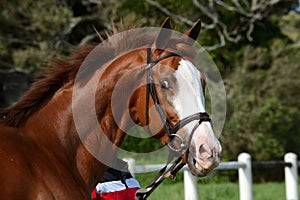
x=209, y=190
x=228, y=191
x=269, y=191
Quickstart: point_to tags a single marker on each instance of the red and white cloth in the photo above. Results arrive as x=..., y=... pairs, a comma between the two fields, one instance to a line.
x=116, y=190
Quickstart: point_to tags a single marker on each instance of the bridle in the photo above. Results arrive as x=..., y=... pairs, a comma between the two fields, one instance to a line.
x=170, y=129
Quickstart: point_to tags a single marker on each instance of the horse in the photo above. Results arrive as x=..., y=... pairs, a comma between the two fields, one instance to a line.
x=42, y=153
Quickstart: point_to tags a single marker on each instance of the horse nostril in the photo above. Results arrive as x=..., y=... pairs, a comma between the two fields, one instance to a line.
x=205, y=152
x=201, y=149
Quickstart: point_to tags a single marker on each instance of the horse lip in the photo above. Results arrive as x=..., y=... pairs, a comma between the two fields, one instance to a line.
x=193, y=169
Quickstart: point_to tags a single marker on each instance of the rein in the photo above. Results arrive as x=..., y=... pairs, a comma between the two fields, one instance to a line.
x=170, y=129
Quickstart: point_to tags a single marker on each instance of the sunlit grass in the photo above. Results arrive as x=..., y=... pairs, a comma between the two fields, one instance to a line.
x=209, y=190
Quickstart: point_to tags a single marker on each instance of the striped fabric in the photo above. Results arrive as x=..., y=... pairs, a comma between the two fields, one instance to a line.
x=116, y=190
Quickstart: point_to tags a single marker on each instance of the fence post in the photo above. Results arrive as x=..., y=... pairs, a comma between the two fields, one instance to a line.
x=131, y=164
x=245, y=177
x=291, y=177
x=190, y=186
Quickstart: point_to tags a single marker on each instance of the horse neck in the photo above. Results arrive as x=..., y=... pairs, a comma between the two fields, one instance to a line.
x=53, y=121
x=78, y=123
x=53, y=130
x=101, y=130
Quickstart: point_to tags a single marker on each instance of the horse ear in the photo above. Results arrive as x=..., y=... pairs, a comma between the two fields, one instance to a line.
x=166, y=23
x=162, y=39
x=194, y=31
x=203, y=82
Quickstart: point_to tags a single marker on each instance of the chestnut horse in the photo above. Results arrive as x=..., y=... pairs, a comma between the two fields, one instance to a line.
x=43, y=156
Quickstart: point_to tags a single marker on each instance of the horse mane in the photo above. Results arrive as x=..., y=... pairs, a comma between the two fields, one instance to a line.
x=64, y=70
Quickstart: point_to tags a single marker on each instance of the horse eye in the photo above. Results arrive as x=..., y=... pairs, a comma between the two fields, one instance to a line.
x=165, y=84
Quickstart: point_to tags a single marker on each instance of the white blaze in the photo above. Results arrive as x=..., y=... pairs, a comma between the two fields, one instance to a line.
x=190, y=97
x=188, y=101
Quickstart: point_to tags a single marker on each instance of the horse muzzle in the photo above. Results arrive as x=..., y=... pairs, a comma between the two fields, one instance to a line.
x=202, y=168
x=203, y=154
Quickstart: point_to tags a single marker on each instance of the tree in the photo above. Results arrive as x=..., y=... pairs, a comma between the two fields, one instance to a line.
x=263, y=104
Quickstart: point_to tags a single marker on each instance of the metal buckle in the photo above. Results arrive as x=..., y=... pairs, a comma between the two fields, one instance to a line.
x=183, y=145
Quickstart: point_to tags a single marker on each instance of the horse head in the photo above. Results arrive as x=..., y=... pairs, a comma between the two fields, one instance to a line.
x=171, y=103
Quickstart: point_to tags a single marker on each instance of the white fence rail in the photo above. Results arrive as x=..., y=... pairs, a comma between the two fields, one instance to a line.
x=244, y=167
